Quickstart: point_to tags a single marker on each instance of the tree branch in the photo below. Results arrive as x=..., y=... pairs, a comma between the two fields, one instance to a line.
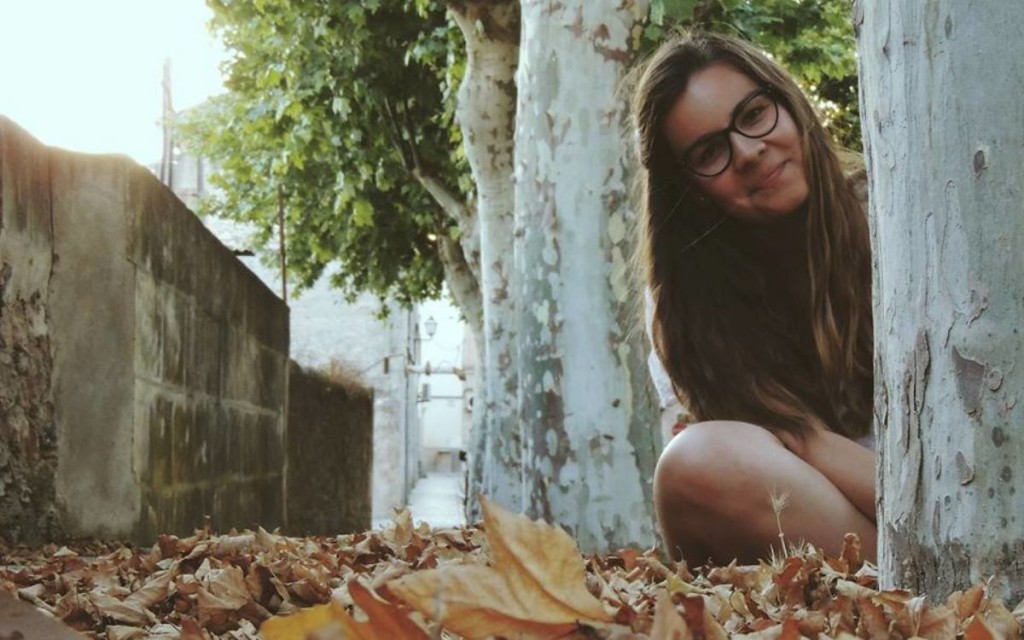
x=410, y=130
x=500, y=20
x=394, y=129
x=449, y=201
x=463, y=284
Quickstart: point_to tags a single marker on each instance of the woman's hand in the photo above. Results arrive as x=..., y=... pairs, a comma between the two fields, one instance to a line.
x=797, y=445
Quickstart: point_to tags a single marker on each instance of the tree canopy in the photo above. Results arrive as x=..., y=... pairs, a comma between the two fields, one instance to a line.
x=330, y=109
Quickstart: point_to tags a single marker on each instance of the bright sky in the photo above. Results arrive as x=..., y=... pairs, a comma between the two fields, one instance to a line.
x=86, y=74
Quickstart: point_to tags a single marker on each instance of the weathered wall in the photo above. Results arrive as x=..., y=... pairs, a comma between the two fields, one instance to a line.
x=352, y=333
x=211, y=361
x=144, y=369
x=326, y=331
x=28, y=442
x=330, y=452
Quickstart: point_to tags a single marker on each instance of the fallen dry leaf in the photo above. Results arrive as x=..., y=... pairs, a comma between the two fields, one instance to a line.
x=668, y=624
x=120, y=610
x=700, y=620
x=536, y=585
x=389, y=619
x=1001, y=620
x=979, y=629
x=966, y=603
x=305, y=622
x=385, y=621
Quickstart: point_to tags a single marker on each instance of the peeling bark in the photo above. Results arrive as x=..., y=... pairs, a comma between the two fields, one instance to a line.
x=944, y=146
x=463, y=283
x=588, y=415
x=486, y=114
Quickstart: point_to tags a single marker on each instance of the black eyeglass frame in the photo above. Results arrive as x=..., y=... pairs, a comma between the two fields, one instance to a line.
x=724, y=133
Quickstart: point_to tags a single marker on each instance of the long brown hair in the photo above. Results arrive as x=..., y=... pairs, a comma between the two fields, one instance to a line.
x=734, y=345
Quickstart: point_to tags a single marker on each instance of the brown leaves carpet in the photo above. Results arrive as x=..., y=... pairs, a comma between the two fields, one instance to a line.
x=509, y=578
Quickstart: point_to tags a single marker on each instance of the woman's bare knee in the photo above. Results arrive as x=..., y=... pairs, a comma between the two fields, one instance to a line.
x=714, y=488
x=698, y=482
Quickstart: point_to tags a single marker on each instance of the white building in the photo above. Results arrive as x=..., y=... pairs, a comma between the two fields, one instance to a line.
x=445, y=397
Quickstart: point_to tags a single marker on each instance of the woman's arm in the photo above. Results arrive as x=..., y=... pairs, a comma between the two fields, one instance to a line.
x=847, y=465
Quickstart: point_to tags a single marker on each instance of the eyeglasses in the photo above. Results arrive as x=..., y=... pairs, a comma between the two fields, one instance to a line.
x=754, y=117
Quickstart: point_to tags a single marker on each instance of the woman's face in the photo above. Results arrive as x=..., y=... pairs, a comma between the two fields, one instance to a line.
x=765, y=178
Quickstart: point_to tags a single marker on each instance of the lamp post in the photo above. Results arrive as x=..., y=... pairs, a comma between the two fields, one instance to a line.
x=430, y=328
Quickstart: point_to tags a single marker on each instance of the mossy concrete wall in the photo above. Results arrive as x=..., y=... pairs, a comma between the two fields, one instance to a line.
x=143, y=370
x=28, y=430
x=330, y=454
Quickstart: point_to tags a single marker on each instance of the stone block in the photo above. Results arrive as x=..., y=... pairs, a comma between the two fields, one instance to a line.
x=159, y=418
x=92, y=306
x=205, y=354
x=148, y=328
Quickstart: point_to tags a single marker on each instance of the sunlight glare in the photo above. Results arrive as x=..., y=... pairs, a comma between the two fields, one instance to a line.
x=87, y=75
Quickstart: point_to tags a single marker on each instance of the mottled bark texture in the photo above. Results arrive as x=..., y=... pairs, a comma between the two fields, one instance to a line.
x=942, y=86
x=585, y=403
x=486, y=114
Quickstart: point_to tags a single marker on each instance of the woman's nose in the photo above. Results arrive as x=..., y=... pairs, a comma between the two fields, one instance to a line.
x=745, y=150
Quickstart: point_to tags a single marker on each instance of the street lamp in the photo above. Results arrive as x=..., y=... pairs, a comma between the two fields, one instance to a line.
x=425, y=368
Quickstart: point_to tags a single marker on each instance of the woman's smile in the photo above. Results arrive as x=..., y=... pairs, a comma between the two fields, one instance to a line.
x=770, y=179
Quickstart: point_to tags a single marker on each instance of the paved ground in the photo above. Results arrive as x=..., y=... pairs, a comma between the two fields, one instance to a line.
x=437, y=500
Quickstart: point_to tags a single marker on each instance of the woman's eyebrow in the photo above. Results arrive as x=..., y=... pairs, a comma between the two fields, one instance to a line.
x=732, y=118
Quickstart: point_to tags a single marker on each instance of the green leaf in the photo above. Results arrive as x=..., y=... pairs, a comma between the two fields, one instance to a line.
x=362, y=213
x=657, y=16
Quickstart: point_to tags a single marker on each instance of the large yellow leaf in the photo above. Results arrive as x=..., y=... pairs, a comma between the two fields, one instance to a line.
x=385, y=621
x=535, y=587
x=305, y=622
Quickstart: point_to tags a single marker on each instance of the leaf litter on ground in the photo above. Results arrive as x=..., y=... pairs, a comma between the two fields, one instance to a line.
x=508, y=577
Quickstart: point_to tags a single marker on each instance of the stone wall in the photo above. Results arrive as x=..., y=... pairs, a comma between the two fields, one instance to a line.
x=327, y=332
x=28, y=432
x=143, y=370
x=330, y=452
x=210, y=384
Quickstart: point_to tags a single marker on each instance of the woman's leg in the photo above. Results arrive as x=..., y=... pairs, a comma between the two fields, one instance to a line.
x=713, y=492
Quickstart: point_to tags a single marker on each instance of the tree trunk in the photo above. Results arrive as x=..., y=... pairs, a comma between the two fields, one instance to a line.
x=486, y=114
x=584, y=398
x=944, y=135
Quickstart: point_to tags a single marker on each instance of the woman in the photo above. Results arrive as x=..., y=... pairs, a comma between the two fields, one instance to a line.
x=757, y=260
